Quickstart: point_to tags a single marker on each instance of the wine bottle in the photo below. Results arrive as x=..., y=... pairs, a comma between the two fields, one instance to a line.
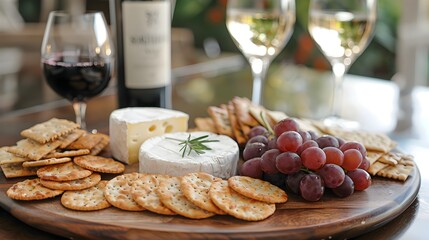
x=143, y=69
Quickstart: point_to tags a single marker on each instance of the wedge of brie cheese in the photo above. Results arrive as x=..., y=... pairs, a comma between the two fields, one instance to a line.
x=162, y=155
x=130, y=127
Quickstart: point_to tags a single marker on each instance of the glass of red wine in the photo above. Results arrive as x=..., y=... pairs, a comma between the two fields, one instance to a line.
x=77, y=57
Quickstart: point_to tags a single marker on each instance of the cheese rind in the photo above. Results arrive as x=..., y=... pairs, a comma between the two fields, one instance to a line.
x=161, y=155
x=130, y=127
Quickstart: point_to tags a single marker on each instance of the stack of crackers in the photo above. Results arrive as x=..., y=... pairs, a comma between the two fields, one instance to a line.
x=64, y=158
x=195, y=195
x=236, y=118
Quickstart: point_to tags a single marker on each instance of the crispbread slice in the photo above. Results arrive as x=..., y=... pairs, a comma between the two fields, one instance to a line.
x=63, y=172
x=45, y=162
x=238, y=205
x=219, y=116
x=239, y=136
x=257, y=189
x=50, y=130
x=205, y=124
x=242, y=108
x=195, y=187
x=31, y=189
x=118, y=192
x=7, y=157
x=78, y=184
x=71, y=137
x=14, y=170
x=69, y=153
x=33, y=150
x=170, y=193
x=86, y=141
x=143, y=192
x=89, y=199
x=99, y=164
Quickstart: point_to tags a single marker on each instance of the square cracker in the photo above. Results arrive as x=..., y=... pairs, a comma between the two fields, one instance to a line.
x=219, y=116
x=14, y=170
x=69, y=153
x=7, y=157
x=71, y=137
x=50, y=130
x=33, y=150
x=86, y=141
x=397, y=172
x=376, y=167
x=101, y=145
x=373, y=156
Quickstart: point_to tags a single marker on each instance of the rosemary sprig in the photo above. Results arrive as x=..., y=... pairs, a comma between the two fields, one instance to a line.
x=197, y=144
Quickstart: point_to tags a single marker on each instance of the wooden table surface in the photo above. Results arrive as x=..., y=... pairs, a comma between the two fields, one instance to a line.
x=411, y=224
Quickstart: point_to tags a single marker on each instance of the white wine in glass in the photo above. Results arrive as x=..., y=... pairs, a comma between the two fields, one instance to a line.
x=342, y=30
x=260, y=29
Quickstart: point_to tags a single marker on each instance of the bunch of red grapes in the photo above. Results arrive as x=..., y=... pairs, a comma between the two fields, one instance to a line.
x=305, y=163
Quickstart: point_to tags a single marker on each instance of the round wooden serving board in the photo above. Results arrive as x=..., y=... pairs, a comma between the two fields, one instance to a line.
x=330, y=217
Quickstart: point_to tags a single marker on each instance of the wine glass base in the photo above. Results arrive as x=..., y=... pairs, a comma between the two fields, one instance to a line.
x=337, y=122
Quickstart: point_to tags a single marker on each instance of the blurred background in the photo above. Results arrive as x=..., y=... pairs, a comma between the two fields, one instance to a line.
x=398, y=51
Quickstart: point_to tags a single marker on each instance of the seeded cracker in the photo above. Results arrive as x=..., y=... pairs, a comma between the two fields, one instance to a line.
x=86, y=141
x=89, y=199
x=45, y=162
x=169, y=191
x=31, y=189
x=144, y=193
x=101, y=145
x=13, y=170
x=33, y=150
x=118, y=192
x=195, y=187
x=63, y=172
x=238, y=205
x=257, y=189
x=99, y=164
x=242, y=108
x=49, y=130
x=7, y=157
x=78, y=184
x=69, y=153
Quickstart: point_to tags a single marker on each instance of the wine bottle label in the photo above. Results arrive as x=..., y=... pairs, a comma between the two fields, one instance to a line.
x=147, y=46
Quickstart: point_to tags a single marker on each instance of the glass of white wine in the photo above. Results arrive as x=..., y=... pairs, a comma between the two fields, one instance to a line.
x=342, y=30
x=260, y=29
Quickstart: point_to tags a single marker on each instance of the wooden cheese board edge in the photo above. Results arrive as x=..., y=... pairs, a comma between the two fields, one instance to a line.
x=76, y=228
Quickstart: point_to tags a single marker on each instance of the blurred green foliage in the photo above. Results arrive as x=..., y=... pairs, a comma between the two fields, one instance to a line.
x=206, y=18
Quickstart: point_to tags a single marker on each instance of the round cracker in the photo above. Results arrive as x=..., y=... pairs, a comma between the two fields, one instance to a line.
x=171, y=196
x=143, y=192
x=78, y=184
x=196, y=186
x=63, y=172
x=89, y=199
x=45, y=162
x=31, y=189
x=238, y=205
x=99, y=164
x=257, y=189
x=118, y=192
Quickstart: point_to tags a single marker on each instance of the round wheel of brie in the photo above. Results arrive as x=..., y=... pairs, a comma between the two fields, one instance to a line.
x=162, y=155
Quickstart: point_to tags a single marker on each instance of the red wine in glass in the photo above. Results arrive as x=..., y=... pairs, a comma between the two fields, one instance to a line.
x=77, y=80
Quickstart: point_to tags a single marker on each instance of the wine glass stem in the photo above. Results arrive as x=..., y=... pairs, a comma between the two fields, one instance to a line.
x=259, y=68
x=339, y=69
x=80, y=110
